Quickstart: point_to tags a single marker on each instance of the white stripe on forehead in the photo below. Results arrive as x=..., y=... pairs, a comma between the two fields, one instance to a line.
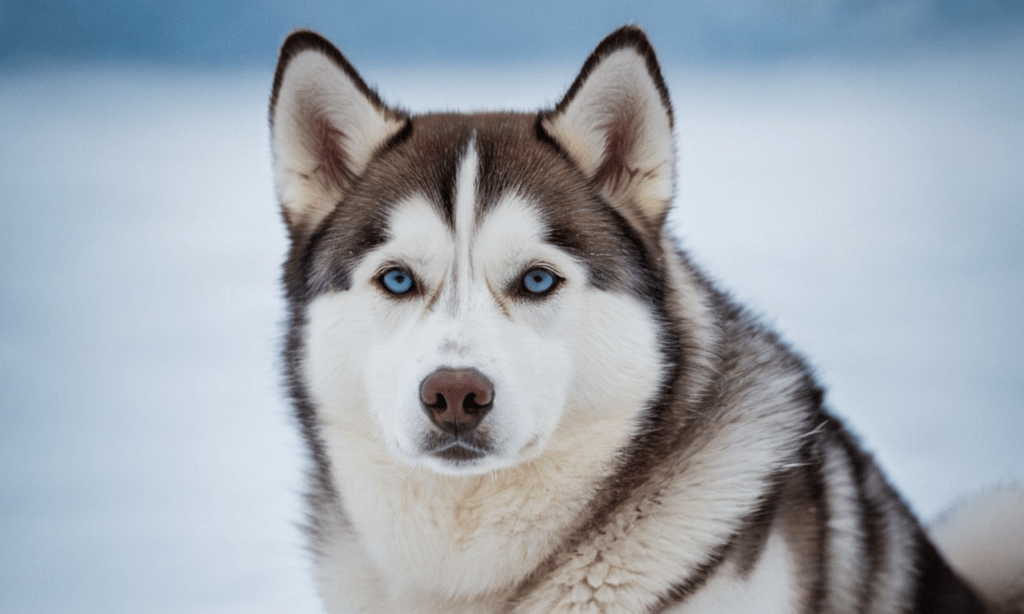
x=465, y=216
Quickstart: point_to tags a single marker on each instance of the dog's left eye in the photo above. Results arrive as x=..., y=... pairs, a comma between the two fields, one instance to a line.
x=396, y=280
x=539, y=282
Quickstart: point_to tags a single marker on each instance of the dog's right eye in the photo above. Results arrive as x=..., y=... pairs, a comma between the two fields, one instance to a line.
x=396, y=281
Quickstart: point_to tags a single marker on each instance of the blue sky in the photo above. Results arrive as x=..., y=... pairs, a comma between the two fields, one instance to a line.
x=232, y=33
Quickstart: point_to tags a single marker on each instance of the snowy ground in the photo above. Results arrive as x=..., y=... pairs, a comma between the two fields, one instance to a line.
x=874, y=212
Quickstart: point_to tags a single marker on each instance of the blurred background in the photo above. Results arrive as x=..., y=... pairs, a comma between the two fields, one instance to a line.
x=852, y=169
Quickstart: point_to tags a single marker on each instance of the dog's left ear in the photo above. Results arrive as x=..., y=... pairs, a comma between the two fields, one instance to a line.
x=615, y=124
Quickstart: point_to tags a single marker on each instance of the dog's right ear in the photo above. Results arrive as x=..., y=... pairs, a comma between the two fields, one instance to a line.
x=325, y=126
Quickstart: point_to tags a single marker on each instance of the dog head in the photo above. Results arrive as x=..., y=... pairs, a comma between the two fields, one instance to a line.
x=465, y=289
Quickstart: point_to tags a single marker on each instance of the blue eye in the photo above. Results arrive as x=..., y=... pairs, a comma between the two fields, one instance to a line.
x=396, y=281
x=538, y=281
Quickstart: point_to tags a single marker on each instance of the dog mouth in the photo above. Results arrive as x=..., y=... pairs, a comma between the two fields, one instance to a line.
x=457, y=449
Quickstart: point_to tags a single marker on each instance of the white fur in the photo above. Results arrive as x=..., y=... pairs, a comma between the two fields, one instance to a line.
x=465, y=216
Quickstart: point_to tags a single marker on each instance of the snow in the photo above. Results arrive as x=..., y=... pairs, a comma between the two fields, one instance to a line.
x=873, y=212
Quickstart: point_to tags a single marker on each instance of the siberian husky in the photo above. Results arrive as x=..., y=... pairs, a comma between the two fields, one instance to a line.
x=519, y=395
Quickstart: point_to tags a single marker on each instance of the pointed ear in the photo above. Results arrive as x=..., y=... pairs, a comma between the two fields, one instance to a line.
x=325, y=126
x=615, y=124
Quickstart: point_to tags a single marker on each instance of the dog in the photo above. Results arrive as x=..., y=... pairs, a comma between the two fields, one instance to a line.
x=519, y=395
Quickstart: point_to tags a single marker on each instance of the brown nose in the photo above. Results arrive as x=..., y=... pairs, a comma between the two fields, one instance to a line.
x=456, y=399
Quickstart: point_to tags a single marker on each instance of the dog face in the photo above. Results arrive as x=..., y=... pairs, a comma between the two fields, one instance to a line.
x=467, y=288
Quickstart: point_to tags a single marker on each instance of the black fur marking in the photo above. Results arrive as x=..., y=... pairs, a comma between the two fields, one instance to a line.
x=872, y=529
x=299, y=266
x=700, y=576
x=403, y=135
x=814, y=563
x=939, y=591
x=429, y=165
x=321, y=496
x=327, y=268
x=564, y=238
x=745, y=547
x=648, y=259
x=542, y=135
x=447, y=181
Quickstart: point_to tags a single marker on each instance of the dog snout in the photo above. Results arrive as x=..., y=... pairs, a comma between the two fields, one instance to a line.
x=456, y=400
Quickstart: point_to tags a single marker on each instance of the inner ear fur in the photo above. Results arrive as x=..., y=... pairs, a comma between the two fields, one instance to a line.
x=326, y=125
x=615, y=124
